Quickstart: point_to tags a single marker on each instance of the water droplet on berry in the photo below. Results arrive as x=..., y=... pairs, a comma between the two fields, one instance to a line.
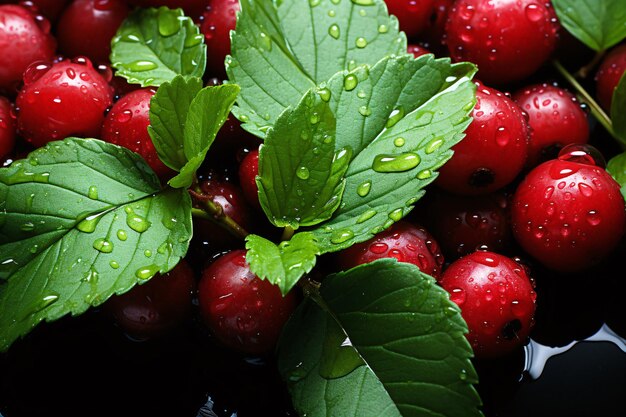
x=582, y=153
x=534, y=12
x=458, y=296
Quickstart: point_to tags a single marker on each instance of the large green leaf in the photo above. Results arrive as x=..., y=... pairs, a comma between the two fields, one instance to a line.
x=409, y=335
x=154, y=45
x=81, y=220
x=599, y=24
x=280, y=49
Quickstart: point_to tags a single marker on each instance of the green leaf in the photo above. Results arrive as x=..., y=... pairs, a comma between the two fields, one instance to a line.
x=300, y=174
x=168, y=115
x=82, y=219
x=405, y=329
x=154, y=45
x=599, y=24
x=207, y=112
x=282, y=264
x=616, y=166
x=618, y=108
x=282, y=49
x=400, y=118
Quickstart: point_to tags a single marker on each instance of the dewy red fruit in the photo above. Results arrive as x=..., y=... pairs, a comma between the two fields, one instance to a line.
x=555, y=117
x=494, y=150
x=509, y=40
x=404, y=241
x=244, y=312
x=153, y=309
x=248, y=171
x=126, y=125
x=67, y=98
x=24, y=39
x=7, y=127
x=86, y=27
x=497, y=300
x=216, y=23
x=413, y=15
x=609, y=73
x=567, y=214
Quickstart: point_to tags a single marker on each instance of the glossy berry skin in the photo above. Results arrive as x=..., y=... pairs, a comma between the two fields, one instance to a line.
x=248, y=170
x=242, y=311
x=7, y=127
x=413, y=15
x=417, y=50
x=192, y=8
x=435, y=30
x=609, y=73
x=86, y=27
x=508, y=39
x=555, y=117
x=404, y=241
x=152, y=309
x=67, y=98
x=463, y=224
x=497, y=299
x=24, y=38
x=126, y=124
x=568, y=215
x=216, y=22
x=51, y=9
x=494, y=150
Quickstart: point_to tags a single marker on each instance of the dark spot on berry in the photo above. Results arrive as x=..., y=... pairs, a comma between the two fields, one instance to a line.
x=511, y=329
x=482, y=177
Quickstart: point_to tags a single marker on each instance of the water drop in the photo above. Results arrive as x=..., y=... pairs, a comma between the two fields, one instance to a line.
x=364, y=2
x=395, y=163
x=147, y=253
x=341, y=236
x=142, y=65
x=302, y=173
x=122, y=235
x=396, y=215
x=103, y=245
x=366, y=216
x=395, y=116
x=324, y=94
x=334, y=31
x=136, y=222
x=383, y=28
x=534, y=13
x=365, y=111
x=364, y=188
x=88, y=224
x=424, y=118
x=265, y=42
x=399, y=142
x=93, y=192
x=114, y=264
x=424, y=174
x=146, y=272
x=360, y=42
x=167, y=23
x=433, y=145
x=350, y=82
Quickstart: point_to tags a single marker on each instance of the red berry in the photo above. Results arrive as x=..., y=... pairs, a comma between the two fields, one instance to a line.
x=51, y=9
x=248, y=171
x=417, y=50
x=154, y=308
x=7, y=127
x=404, y=241
x=434, y=33
x=192, y=8
x=86, y=28
x=126, y=125
x=608, y=75
x=67, y=98
x=242, y=311
x=413, y=15
x=508, y=39
x=493, y=152
x=568, y=215
x=497, y=300
x=24, y=38
x=216, y=22
x=555, y=117
x=463, y=224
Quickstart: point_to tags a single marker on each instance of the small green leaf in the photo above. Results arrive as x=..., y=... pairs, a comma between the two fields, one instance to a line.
x=168, y=115
x=154, y=45
x=282, y=264
x=81, y=220
x=282, y=49
x=207, y=112
x=422, y=107
x=300, y=174
x=618, y=109
x=599, y=24
x=616, y=166
x=406, y=330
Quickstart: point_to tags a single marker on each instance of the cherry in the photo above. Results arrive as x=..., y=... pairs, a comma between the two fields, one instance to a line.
x=463, y=224
x=403, y=240
x=219, y=18
x=434, y=33
x=568, y=213
x=610, y=71
x=493, y=152
x=86, y=27
x=62, y=99
x=126, y=125
x=51, y=9
x=413, y=15
x=7, y=127
x=497, y=300
x=231, y=145
x=555, y=117
x=417, y=50
x=508, y=40
x=154, y=308
x=248, y=170
x=24, y=38
x=191, y=8
x=242, y=311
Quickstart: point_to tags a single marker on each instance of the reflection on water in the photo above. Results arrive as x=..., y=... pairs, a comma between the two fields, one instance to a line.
x=537, y=355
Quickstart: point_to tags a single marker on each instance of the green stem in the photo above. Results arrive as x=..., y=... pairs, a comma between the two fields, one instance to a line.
x=598, y=113
x=584, y=72
x=214, y=212
x=287, y=233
